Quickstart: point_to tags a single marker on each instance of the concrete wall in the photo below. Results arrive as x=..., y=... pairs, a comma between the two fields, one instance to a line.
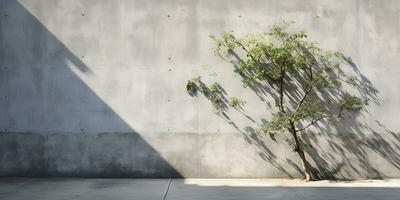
x=95, y=88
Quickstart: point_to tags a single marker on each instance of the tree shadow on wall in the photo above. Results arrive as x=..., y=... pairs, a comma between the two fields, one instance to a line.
x=352, y=148
x=52, y=123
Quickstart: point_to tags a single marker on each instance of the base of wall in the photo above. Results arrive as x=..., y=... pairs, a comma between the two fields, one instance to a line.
x=219, y=155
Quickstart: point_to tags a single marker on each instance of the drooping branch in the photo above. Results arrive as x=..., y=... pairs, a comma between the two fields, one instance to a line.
x=252, y=57
x=247, y=52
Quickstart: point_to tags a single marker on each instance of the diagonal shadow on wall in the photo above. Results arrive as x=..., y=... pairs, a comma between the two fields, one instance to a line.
x=52, y=123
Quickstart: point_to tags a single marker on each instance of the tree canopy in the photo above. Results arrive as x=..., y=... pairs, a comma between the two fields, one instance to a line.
x=306, y=83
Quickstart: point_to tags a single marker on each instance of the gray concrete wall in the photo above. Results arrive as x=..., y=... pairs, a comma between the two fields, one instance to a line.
x=96, y=89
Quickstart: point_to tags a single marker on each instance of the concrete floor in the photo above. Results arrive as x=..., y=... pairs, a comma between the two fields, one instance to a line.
x=194, y=189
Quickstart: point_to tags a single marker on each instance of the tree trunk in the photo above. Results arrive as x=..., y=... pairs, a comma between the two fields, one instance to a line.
x=306, y=165
x=300, y=151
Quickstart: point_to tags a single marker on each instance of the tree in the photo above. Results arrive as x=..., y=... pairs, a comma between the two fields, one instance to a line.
x=305, y=83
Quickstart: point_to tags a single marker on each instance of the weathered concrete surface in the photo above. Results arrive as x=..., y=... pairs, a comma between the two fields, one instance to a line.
x=96, y=89
x=83, y=155
x=196, y=189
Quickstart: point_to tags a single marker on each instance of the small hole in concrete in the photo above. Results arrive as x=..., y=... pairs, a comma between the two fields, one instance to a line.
x=169, y=69
x=5, y=15
x=240, y=16
x=83, y=14
x=83, y=56
x=168, y=15
x=169, y=58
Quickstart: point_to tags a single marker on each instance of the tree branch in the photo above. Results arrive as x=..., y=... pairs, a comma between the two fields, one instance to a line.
x=251, y=56
x=320, y=118
x=303, y=99
x=312, y=122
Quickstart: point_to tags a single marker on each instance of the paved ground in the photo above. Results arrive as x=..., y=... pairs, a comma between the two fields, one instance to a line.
x=195, y=189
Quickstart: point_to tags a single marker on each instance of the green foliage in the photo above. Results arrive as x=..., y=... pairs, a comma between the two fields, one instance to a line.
x=277, y=123
x=351, y=103
x=235, y=102
x=306, y=83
